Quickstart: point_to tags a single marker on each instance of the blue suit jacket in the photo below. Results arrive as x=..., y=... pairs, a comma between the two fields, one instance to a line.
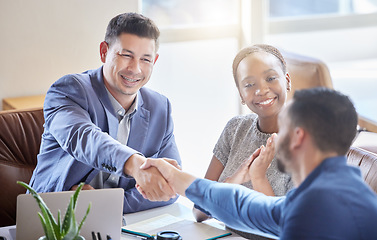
x=80, y=131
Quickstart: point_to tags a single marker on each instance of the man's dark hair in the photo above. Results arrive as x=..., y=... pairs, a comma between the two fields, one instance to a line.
x=328, y=115
x=132, y=23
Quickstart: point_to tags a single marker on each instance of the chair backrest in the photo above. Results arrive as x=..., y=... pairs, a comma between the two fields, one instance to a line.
x=20, y=139
x=367, y=162
x=306, y=72
x=366, y=140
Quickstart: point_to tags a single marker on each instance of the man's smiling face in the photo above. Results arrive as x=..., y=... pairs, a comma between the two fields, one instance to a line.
x=128, y=64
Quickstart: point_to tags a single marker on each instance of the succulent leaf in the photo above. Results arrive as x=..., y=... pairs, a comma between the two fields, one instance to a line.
x=76, y=194
x=43, y=222
x=84, y=218
x=41, y=203
x=50, y=230
x=59, y=225
x=69, y=223
x=71, y=229
x=49, y=221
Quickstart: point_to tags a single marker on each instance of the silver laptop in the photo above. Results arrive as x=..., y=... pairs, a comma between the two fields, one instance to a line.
x=105, y=215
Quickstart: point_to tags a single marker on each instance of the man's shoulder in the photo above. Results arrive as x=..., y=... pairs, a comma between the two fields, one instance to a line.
x=79, y=78
x=331, y=206
x=151, y=97
x=80, y=88
x=150, y=93
x=335, y=191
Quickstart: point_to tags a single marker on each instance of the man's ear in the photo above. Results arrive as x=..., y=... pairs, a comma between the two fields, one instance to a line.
x=103, y=48
x=155, y=59
x=298, y=138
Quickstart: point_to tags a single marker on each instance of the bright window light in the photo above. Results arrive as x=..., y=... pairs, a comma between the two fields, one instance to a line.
x=168, y=13
x=304, y=8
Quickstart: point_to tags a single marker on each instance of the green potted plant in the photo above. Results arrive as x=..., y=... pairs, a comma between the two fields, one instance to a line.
x=69, y=229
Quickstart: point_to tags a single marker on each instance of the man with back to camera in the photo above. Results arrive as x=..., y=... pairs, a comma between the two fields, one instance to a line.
x=101, y=125
x=330, y=201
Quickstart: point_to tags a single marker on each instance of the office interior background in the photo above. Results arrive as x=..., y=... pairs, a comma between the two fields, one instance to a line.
x=42, y=40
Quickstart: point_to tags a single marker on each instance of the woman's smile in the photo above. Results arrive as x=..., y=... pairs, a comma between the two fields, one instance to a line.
x=267, y=102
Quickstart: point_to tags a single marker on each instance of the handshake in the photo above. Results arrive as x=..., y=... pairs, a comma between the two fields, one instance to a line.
x=174, y=181
x=162, y=179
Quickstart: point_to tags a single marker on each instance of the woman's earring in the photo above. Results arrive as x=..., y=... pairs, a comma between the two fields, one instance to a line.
x=243, y=102
x=289, y=87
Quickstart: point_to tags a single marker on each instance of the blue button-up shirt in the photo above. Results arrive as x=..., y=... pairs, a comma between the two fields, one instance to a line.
x=333, y=202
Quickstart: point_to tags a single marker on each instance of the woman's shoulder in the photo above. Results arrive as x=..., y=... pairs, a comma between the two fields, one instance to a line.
x=238, y=126
x=242, y=119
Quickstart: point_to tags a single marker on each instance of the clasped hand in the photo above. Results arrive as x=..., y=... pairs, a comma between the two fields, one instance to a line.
x=152, y=184
x=256, y=166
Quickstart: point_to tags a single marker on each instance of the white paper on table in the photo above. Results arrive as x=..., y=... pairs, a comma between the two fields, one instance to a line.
x=186, y=228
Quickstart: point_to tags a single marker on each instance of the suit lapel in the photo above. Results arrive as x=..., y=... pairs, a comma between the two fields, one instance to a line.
x=139, y=126
x=96, y=78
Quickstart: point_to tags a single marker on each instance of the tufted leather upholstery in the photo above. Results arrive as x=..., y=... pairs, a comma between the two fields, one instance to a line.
x=20, y=138
x=367, y=161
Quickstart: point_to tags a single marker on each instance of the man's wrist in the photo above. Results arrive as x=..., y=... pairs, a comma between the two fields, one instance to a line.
x=182, y=181
x=133, y=164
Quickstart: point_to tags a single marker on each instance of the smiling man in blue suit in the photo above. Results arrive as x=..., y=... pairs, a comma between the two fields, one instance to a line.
x=101, y=125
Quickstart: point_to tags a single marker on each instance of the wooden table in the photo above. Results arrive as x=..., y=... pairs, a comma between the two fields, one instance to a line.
x=23, y=102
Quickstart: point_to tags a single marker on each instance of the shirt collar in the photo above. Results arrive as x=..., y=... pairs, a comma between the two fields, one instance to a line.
x=332, y=162
x=121, y=112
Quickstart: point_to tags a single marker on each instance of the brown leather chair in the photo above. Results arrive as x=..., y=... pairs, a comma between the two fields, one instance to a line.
x=367, y=162
x=306, y=72
x=367, y=141
x=20, y=138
